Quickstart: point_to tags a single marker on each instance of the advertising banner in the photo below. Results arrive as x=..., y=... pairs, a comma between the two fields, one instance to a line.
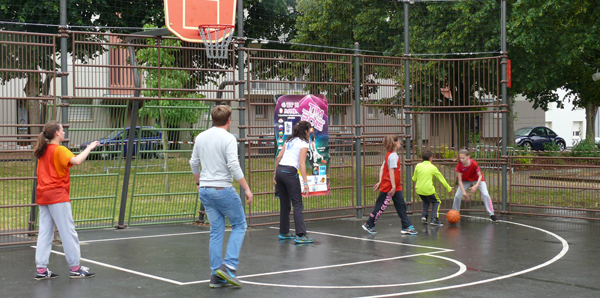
x=289, y=110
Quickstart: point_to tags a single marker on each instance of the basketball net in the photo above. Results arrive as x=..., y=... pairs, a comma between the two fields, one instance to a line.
x=216, y=49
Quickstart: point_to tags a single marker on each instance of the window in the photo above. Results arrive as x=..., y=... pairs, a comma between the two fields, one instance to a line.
x=577, y=127
x=259, y=86
x=550, y=132
x=297, y=86
x=434, y=125
x=372, y=113
x=80, y=109
x=540, y=131
x=150, y=133
x=260, y=110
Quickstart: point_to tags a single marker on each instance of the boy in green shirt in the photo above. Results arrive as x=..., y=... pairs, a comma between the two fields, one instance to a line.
x=423, y=177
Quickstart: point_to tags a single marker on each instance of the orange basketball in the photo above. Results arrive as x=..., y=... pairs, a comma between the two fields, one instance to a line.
x=453, y=216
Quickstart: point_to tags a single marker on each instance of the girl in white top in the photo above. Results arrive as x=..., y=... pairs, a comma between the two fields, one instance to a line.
x=290, y=159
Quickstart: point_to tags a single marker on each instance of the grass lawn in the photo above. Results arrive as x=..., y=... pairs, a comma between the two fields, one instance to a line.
x=157, y=196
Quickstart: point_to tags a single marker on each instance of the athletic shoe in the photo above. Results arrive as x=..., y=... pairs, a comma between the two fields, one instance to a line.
x=494, y=218
x=303, y=240
x=217, y=282
x=229, y=275
x=83, y=272
x=46, y=275
x=409, y=231
x=286, y=236
x=369, y=230
x=436, y=222
x=424, y=220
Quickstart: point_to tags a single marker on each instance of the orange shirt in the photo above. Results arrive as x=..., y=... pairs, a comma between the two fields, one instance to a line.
x=386, y=183
x=53, y=179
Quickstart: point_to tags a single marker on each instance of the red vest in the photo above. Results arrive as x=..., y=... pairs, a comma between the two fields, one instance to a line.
x=386, y=184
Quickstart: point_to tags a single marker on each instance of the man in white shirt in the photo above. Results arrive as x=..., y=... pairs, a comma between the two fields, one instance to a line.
x=215, y=151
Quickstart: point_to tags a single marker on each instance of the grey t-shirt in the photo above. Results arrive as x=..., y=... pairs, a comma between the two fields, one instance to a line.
x=393, y=160
x=215, y=151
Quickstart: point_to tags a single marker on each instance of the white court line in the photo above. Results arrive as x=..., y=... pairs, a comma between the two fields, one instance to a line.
x=462, y=270
x=564, y=251
x=326, y=267
x=143, y=237
x=379, y=241
x=125, y=270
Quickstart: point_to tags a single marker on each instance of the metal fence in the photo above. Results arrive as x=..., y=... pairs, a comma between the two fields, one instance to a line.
x=146, y=98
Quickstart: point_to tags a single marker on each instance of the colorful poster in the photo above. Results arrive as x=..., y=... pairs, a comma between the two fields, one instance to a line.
x=291, y=109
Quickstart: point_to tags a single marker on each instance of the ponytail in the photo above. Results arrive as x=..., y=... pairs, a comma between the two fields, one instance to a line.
x=47, y=134
x=389, y=142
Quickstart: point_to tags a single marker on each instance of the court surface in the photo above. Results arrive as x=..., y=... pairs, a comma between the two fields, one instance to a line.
x=518, y=257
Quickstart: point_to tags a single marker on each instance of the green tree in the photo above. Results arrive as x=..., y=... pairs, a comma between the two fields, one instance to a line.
x=163, y=76
x=560, y=39
x=79, y=13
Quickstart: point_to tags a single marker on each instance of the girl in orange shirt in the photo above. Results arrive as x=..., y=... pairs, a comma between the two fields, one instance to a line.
x=52, y=196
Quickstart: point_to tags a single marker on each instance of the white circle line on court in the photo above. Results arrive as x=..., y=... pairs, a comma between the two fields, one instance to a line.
x=462, y=269
x=144, y=237
x=565, y=249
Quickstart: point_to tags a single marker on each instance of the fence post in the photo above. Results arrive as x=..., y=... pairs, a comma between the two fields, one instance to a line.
x=242, y=104
x=357, y=139
x=407, y=144
x=504, y=107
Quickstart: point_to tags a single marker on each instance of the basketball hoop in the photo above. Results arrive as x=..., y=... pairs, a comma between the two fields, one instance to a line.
x=216, y=48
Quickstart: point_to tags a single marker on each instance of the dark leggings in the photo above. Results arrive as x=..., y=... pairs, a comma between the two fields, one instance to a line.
x=288, y=186
x=382, y=203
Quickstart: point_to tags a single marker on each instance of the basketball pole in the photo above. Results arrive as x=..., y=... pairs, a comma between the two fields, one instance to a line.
x=357, y=139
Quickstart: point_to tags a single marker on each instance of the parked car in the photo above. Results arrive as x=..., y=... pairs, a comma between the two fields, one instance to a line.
x=534, y=138
x=118, y=141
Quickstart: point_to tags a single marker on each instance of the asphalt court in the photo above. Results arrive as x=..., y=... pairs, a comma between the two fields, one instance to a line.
x=475, y=258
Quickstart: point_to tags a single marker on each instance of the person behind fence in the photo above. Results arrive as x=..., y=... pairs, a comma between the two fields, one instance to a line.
x=469, y=175
x=290, y=159
x=52, y=196
x=390, y=188
x=423, y=176
x=215, y=152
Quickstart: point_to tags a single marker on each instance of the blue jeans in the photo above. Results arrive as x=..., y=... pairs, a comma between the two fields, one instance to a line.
x=220, y=204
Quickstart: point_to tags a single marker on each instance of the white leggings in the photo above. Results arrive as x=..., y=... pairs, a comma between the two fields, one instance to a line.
x=485, y=196
x=59, y=214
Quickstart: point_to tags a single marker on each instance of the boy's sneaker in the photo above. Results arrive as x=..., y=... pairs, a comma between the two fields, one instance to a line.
x=83, y=272
x=229, y=275
x=46, y=275
x=424, y=220
x=217, y=282
x=286, y=236
x=409, y=231
x=436, y=222
x=368, y=229
x=303, y=240
x=494, y=218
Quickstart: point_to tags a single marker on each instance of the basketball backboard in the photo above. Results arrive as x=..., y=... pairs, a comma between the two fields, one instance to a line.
x=184, y=16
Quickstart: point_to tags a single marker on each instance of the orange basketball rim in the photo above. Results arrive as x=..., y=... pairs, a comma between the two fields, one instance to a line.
x=184, y=16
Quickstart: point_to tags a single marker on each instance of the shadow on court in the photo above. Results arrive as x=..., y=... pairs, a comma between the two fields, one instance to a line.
x=518, y=257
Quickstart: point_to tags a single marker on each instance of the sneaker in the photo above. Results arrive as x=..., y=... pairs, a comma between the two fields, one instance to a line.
x=409, y=231
x=368, y=229
x=229, y=275
x=217, y=282
x=303, y=240
x=424, y=220
x=46, y=275
x=286, y=236
x=83, y=272
x=494, y=218
x=436, y=222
